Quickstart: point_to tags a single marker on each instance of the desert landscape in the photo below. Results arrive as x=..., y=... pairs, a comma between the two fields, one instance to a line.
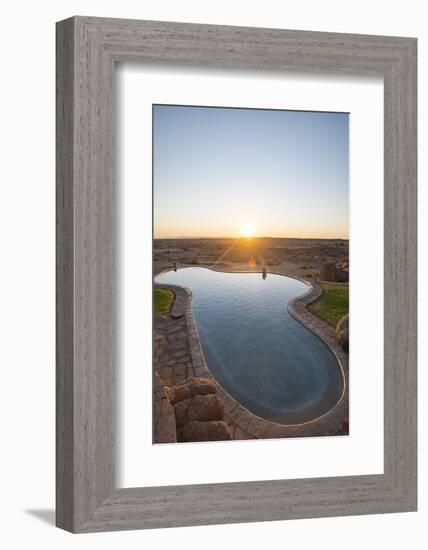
x=250, y=274
x=299, y=257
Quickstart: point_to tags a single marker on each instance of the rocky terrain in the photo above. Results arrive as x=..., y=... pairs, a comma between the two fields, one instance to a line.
x=301, y=257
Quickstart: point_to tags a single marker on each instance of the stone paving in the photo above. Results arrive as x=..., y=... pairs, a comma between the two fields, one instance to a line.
x=178, y=356
x=172, y=364
x=172, y=355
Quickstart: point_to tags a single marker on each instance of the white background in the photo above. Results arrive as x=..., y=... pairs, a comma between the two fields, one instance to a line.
x=360, y=453
x=27, y=273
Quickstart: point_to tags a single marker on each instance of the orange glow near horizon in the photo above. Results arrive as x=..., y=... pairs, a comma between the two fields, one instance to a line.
x=232, y=220
x=250, y=231
x=250, y=173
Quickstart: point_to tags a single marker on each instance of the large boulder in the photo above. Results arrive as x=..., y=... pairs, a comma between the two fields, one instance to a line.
x=164, y=426
x=190, y=388
x=342, y=276
x=198, y=411
x=342, y=332
x=202, y=408
x=205, y=431
x=329, y=272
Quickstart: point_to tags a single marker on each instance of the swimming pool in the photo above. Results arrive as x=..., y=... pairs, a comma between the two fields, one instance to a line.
x=263, y=357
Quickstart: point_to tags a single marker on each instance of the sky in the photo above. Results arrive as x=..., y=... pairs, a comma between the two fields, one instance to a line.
x=221, y=172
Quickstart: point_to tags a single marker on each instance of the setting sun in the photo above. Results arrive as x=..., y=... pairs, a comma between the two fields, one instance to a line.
x=250, y=215
x=247, y=230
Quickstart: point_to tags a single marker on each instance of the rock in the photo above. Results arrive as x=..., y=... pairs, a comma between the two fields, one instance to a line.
x=198, y=410
x=343, y=323
x=202, y=408
x=205, y=431
x=329, y=272
x=342, y=276
x=342, y=332
x=193, y=386
x=343, y=340
x=164, y=427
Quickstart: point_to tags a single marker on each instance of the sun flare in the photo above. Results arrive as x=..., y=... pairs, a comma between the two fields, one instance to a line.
x=247, y=230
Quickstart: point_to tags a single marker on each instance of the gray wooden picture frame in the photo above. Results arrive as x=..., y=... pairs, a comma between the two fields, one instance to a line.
x=87, y=50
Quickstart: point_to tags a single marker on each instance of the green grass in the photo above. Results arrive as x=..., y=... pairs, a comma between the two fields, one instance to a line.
x=162, y=301
x=333, y=304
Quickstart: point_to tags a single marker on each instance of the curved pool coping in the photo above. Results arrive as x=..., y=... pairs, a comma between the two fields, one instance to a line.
x=330, y=423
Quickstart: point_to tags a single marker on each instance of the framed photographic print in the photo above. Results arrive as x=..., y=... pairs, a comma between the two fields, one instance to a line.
x=236, y=274
x=254, y=370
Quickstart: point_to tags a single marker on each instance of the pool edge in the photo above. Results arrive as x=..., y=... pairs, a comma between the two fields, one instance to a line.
x=327, y=424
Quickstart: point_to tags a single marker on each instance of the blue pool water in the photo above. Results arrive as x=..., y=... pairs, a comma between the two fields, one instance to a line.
x=262, y=356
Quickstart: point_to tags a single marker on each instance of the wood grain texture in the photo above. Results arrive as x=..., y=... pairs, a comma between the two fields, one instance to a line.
x=87, y=49
x=64, y=276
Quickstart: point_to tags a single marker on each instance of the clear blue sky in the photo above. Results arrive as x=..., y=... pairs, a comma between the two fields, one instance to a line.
x=281, y=173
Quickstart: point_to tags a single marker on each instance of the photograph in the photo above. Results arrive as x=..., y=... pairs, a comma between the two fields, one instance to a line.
x=250, y=273
x=211, y=257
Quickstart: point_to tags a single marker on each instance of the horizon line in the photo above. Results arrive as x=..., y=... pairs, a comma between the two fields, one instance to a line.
x=252, y=237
